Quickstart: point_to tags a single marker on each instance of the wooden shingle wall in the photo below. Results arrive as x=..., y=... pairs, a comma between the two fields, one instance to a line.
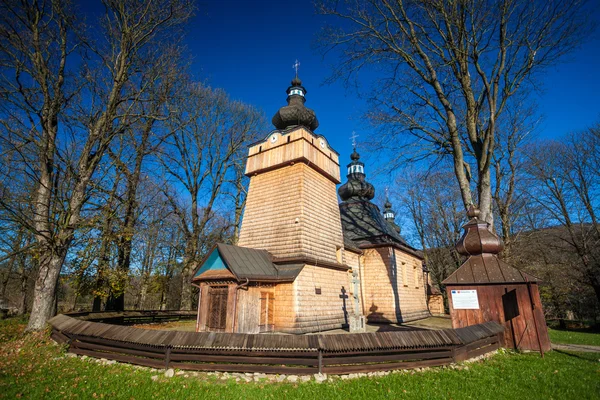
x=271, y=210
x=387, y=296
x=351, y=259
x=321, y=221
x=313, y=312
x=295, y=145
x=284, y=307
x=292, y=212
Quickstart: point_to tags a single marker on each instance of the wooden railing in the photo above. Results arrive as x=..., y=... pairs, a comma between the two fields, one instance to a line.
x=269, y=353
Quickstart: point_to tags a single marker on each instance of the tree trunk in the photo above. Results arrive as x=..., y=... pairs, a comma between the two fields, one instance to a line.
x=186, y=286
x=143, y=293
x=7, y=278
x=484, y=190
x=126, y=238
x=97, y=303
x=75, y=298
x=45, y=287
x=23, y=305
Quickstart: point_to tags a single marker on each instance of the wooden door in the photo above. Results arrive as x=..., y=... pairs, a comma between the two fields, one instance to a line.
x=217, y=308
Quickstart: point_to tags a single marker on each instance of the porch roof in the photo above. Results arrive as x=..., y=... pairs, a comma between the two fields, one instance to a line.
x=247, y=263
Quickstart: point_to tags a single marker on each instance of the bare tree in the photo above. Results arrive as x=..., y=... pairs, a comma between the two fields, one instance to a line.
x=38, y=40
x=563, y=181
x=434, y=209
x=142, y=139
x=514, y=130
x=199, y=155
x=449, y=68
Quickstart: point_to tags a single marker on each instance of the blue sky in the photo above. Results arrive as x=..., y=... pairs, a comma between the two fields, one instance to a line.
x=248, y=49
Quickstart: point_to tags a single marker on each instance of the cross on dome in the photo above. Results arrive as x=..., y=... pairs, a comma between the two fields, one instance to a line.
x=353, y=137
x=296, y=66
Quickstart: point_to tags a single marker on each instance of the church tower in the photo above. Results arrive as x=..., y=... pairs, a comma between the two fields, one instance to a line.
x=291, y=208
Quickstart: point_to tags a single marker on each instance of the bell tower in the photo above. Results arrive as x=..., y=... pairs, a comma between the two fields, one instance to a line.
x=291, y=208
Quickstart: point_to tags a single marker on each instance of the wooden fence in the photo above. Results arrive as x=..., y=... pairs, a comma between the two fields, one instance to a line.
x=268, y=353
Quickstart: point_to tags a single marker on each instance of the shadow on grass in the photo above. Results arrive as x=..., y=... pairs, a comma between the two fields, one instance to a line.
x=575, y=355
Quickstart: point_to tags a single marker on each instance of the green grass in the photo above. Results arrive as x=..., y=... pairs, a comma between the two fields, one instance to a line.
x=574, y=337
x=33, y=367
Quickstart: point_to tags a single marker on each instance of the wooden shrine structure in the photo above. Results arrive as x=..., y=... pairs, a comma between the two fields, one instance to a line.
x=485, y=288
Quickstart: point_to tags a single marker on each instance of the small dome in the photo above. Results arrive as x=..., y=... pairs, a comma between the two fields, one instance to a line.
x=356, y=187
x=477, y=238
x=390, y=215
x=296, y=82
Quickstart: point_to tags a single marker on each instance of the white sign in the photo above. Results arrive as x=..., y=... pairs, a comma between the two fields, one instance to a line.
x=465, y=300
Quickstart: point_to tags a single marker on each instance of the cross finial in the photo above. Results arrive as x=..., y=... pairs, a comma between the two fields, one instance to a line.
x=387, y=192
x=353, y=137
x=296, y=66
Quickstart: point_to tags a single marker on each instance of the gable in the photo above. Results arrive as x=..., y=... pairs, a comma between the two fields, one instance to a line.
x=214, y=262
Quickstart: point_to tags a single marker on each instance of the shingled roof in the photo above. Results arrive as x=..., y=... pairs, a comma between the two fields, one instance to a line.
x=251, y=264
x=364, y=225
x=487, y=268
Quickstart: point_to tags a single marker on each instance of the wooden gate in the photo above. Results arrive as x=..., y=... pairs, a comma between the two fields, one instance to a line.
x=217, y=308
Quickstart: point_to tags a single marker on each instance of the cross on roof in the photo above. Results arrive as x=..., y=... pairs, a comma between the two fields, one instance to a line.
x=296, y=66
x=353, y=137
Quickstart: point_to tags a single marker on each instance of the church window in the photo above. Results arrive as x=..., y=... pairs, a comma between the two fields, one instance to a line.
x=318, y=290
x=404, y=274
x=416, y=274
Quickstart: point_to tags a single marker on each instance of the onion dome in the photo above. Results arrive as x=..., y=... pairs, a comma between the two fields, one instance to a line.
x=295, y=113
x=357, y=188
x=477, y=238
x=390, y=215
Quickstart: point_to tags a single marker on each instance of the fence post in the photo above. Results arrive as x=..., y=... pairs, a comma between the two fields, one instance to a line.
x=320, y=361
x=459, y=353
x=167, y=356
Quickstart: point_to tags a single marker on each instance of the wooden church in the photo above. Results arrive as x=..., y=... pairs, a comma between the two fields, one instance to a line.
x=305, y=262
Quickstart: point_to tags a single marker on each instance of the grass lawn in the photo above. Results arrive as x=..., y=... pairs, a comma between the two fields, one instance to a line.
x=574, y=337
x=32, y=366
